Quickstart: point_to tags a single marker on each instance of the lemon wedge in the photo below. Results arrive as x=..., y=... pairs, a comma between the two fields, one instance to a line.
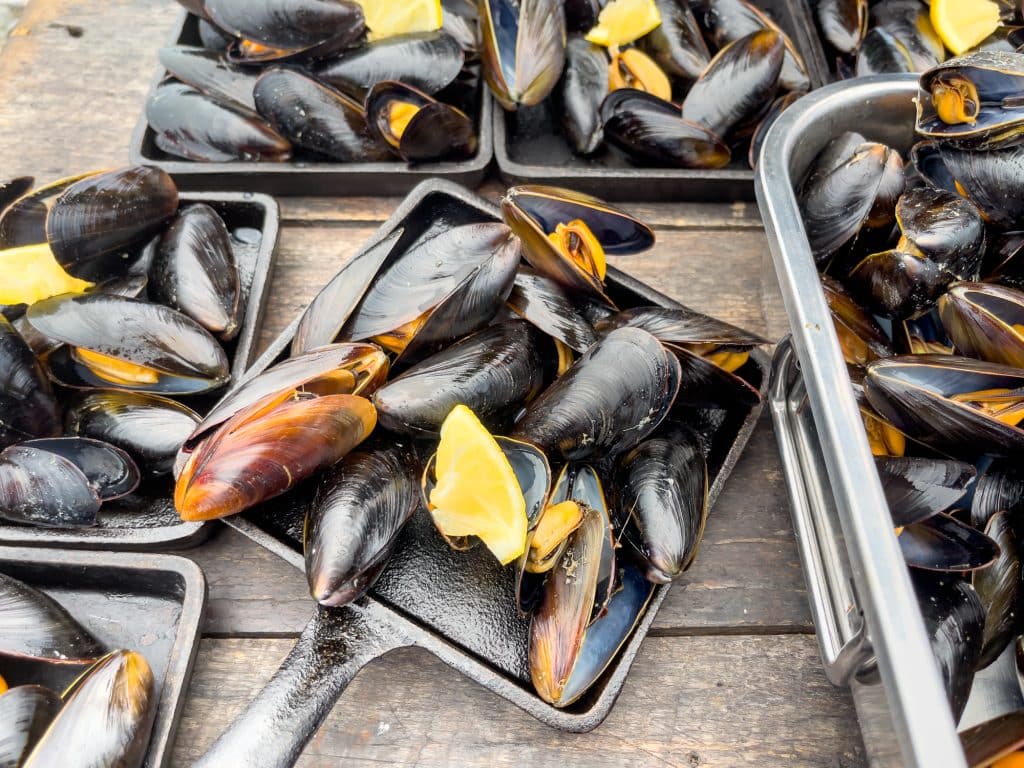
x=623, y=21
x=477, y=493
x=962, y=24
x=32, y=274
x=387, y=18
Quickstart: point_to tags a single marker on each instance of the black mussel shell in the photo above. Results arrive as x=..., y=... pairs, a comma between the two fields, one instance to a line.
x=189, y=124
x=313, y=116
x=917, y=488
x=184, y=356
x=582, y=15
x=194, y=271
x=1004, y=260
x=943, y=543
x=583, y=87
x=27, y=406
x=860, y=336
x=493, y=372
x=94, y=221
x=25, y=713
x=544, y=303
x=985, y=321
x=999, y=587
x=650, y=131
x=944, y=227
x=843, y=23
x=209, y=72
x=926, y=157
x=13, y=189
x=23, y=221
x=953, y=619
x=993, y=181
x=677, y=44
x=151, y=429
x=780, y=105
x=910, y=24
x=608, y=401
x=522, y=49
x=897, y=284
x=988, y=742
x=289, y=24
x=460, y=20
x=705, y=384
x=881, y=54
x=428, y=61
x=1000, y=487
x=662, y=502
x=434, y=132
x=361, y=505
x=109, y=470
x=34, y=626
x=738, y=83
x=212, y=37
x=680, y=325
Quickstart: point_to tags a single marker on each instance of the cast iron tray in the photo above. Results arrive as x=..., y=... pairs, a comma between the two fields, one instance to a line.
x=458, y=606
x=146, y=520
x=142, y=602
x=531, y=149
x=307, y=177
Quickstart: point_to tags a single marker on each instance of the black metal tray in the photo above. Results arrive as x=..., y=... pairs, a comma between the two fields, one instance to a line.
x=143, y=521
x=459, y=606
x=148, y=603
x=305, y=178
x=530, y=149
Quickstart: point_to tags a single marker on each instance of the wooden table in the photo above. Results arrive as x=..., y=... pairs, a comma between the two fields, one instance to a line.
x=730, y=673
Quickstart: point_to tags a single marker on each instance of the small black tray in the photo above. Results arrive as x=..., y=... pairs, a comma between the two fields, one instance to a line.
x=152, y=604
x=530, y=148
x=140, y=521
x=306, y=178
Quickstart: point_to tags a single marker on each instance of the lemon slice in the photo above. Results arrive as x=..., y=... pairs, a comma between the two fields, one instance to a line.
x=623, y=21
x=32, y=274
x=387, y=18
x=477, y=493
x=962, y=24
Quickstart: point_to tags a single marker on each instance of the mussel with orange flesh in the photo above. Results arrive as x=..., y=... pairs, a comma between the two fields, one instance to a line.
x=999, y=587
x=677, y=44
x=910, y=25
x=416, y=126
x=583, y=87
x=27, y=406
x=25, y=713
x=709, y=381
x=860, y=337
x=922, y=335
x=209, y=72
x=632, y=68
x=292, y=25
x=985, y=321
x=881, y=52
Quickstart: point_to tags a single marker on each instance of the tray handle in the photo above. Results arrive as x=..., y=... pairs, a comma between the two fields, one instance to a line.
x=274, y=728
x=842, y=634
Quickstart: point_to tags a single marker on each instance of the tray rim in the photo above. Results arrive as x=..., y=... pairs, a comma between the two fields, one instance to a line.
x=439, y=644
x=185, y=648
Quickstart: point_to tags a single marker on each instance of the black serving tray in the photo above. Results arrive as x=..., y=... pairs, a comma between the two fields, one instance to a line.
x=142, y=520
x=152, y=604
x=530, y=148
x=306, y=177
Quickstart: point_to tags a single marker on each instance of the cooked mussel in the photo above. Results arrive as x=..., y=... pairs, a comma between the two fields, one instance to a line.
x=943, y=227
x=27, y=406
x=897, y=284
x=290, y=25
x=999, y=588
x=632, y=68
x=943, y=543
x=882, y=53
x=919, y=488
x=775, y=110
x=923, y=334
x=523, y=49
x=985, y=321
x=13, y=189
x=973, y=101
x=544, y=303
x=127, y=343
x=991, y=180
x=860, y=337
x=25, y=713
x=361, y=505
x=999, y=487
x=909, y=23
x=209, y=72
x=608, y=401
x=1004, y=260
x=417, y=127
x=493, y=372
x=23, y=221
x=583, y=87
x=34, y=626
x=677, y=44
x=843, y=23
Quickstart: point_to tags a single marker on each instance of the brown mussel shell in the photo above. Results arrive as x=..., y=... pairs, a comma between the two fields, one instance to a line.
x=988, y=742
x=677, y=44
x=985, y=321
x=436, y=131
x=583, y=87
x=293, y=25
x=27, y=406
x=999, y=587
x=209, y=72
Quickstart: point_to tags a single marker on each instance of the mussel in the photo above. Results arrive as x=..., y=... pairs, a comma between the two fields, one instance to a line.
x=882, y=53
x=12, y=189
x=34, y=626
x=416, y=126
x=27, y=406
x=943, y=227
x=942, y=543
x=918, y=488
x=843, y=23
x=583, y=87
x=25, y=713
x=985, y=321
x=1004, y=260
x=361, y=505
x=23, y=221
x=131, y=344
x=999, y=487
x=909, y=23
x=999, y=588
x=860, y=337
x=991, y=180
x=290, y=25
x=545, y=304
x=677, y=44
x=897, y=284
x=209, y=72
x=988, y=743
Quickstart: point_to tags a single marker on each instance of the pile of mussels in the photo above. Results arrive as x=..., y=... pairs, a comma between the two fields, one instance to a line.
x=104, y=714
x=661, y=98
x=298, y=79
x=923, y=269
x=119, y=303
x=512, y=321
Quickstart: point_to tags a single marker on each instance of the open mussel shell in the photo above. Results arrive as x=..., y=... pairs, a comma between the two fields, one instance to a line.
x=417, y=127
x=923, y=334
x=898, y=284
x=428, y=61
x=34, y=626
x=149, y=428
x=265, y=450
x=918, y=488
x=926, y=158
x=999, y=587
x=106, y=717
x=608, y=401
x=23, y=221
x=187, y=123
x=987, y=743
x=953, y=619
x=194, y=271
x=738, y=83
x=651, y=132
x=522, y=49
x=860, y=336
x=943, y=543
x=92, y=222
x=25, y=713
x=360, y=507
x=843, y=23
x=662, y=502
x=705, y=384
x=999, y=487
x=493, y=372
x=943, y=227
x=583, y=87
x=289, y=24
x=928, y=398
x=169, y=352
x=209, y=72
x=972, y=101
x=677, y=44
x=315, y=117
x=882, y=53
x=993, y=181
x=544, y=304
x=27, y=406
x=985, y=321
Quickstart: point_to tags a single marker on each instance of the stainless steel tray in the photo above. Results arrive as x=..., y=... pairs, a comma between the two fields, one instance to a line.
x=861, y=598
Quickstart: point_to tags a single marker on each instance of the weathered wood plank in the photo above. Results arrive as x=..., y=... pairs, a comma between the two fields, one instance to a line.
x=708, y=701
